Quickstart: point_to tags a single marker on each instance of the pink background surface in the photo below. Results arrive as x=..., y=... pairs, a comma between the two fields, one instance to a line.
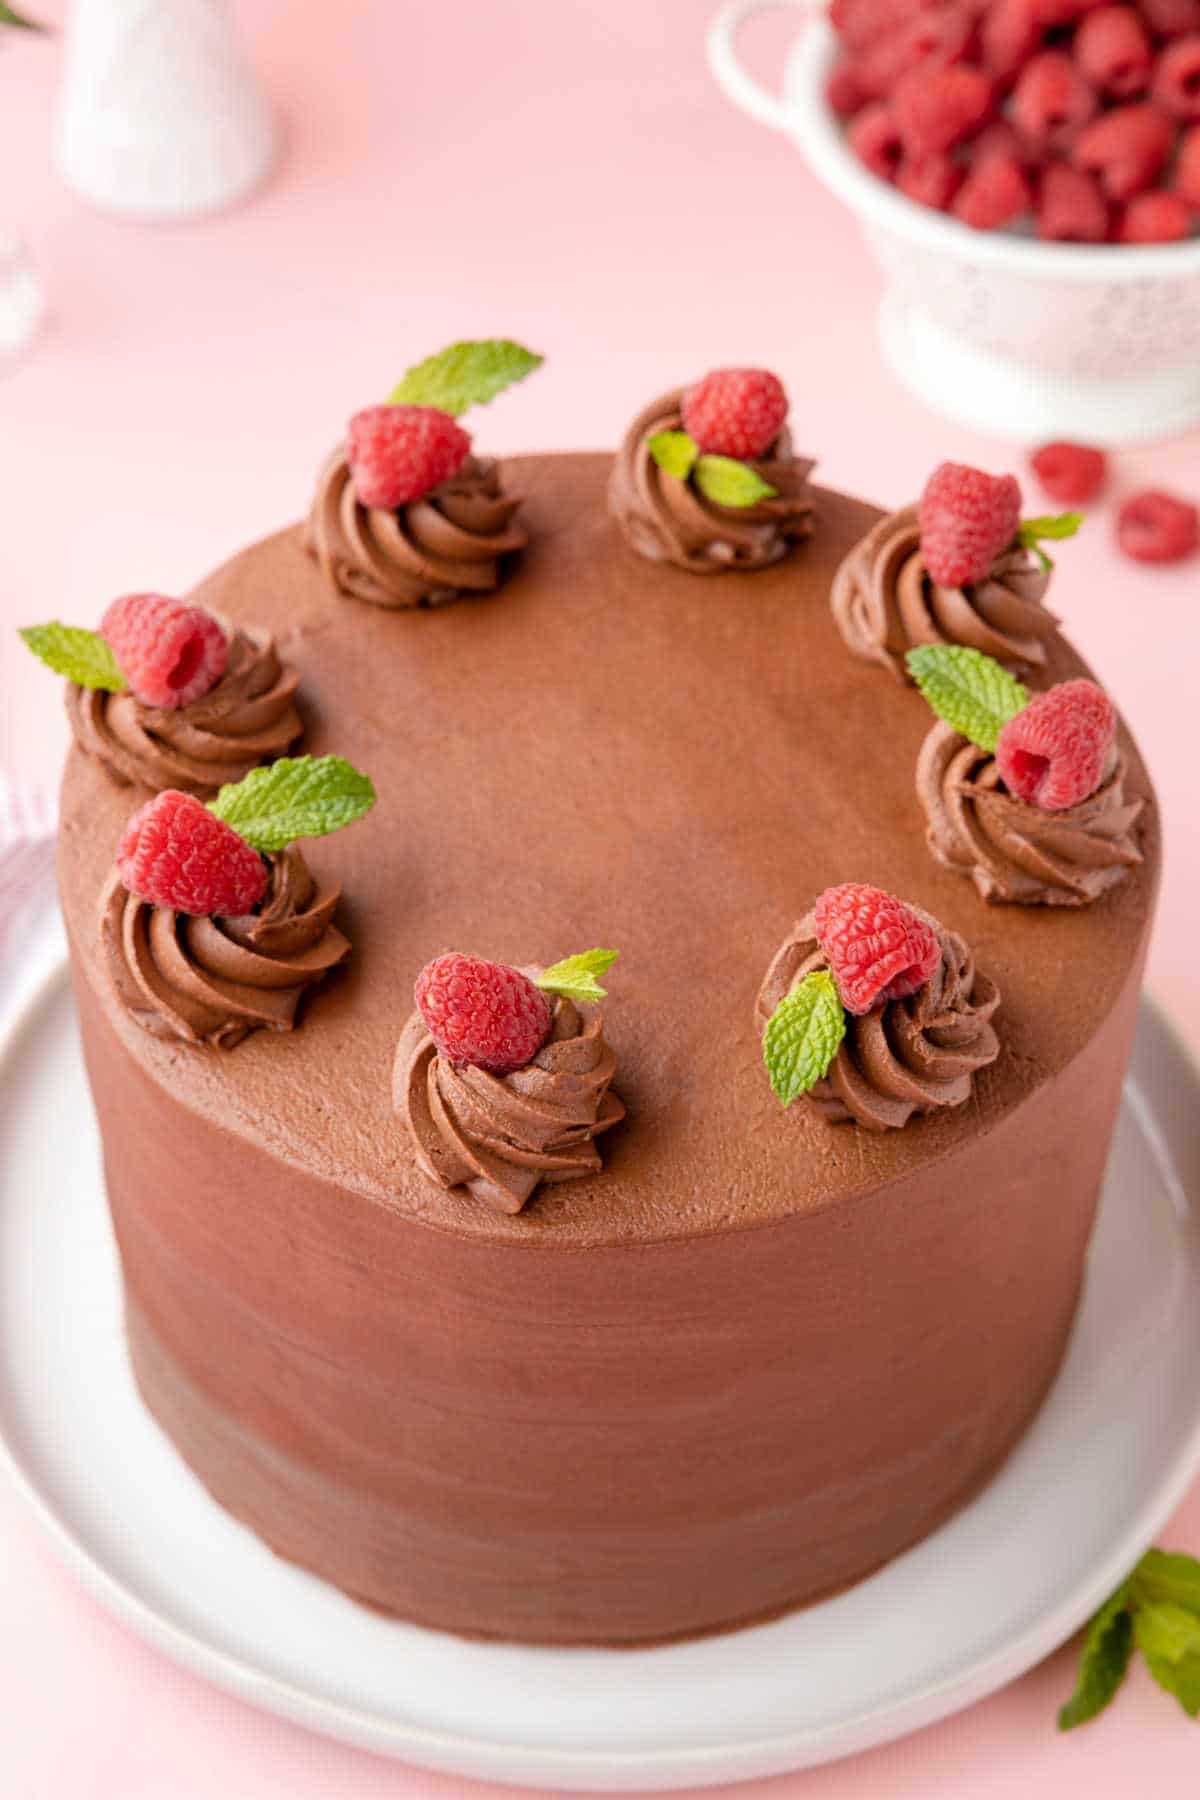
x=564, y=171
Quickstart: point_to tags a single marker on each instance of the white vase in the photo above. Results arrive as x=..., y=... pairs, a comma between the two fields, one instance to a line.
x=160, y=117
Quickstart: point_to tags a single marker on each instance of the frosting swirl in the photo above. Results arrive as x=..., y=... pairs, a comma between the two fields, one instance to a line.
x=211, y=981
x=885, y=602
x=447, y=544
x=500, y=1135
x=668, y=520
x=909, y=1056
x=1014, y=851
x=248, y=718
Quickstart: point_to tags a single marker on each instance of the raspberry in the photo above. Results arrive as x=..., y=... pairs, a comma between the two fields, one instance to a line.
x=1127, y=149
x=1064, y=12
x=936, y=37
x=878, y=948
x=169, y=653
x=1177, y=78
x=1114, y=51
x=875, y=141
x=1154, y=527
x=1155, y=218
x=936, y=108
x=1052, y=753
x=482, y=1013
x=1011, y=31
x=861, y=23
x=1072, y=474
x=967, y=518
x=735, y=412
x=1171, y=18
x=844, y=90
x=930, y=180
x=1051, y=101
x=174, y=852
x=1071, y=209
x=994, y=193
x=398, y=453
x=1187, y=167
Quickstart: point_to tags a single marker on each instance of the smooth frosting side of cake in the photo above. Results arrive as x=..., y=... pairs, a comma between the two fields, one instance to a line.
x=753, y=1355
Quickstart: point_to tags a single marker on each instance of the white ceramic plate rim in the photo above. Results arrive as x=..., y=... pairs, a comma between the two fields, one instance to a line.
x=607, y=1769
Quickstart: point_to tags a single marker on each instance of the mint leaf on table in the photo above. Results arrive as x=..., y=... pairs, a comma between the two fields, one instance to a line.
x=10, y=16
x=1169, y=1575
x=1107, y=1644
x=1054, y=526
x=674, y=452
x=970, y=691
x=802, y=1036
x=727, y=482
x=296, y=797
x=463, y=375
x=574, y=978
x=82, y=656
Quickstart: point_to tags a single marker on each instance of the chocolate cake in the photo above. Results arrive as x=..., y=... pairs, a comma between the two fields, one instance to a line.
x=746, y=1354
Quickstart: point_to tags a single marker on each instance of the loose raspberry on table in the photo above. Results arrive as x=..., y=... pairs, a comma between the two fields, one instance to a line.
x=1052, y=753
x=170, y=653
x=995, y=192
x=1187, y=167
x=875, y=140
x=967, y=519
x=174, y=852
x=482, y=1013
x=1155, y=527
x=1072, y=474
x=398, y=453
x=1070, y=207
x=1052, y=101
x=735, y=412
x=1159, y=217
x=878, y=948
x=1127, y=149
x=936, y=108
x=1176, y=85
x=1113, y=49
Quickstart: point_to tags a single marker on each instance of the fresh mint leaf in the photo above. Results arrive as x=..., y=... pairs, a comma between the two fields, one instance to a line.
x=1107, y=1644
x=10, y=16
x=674, y=452
x=802, y=1036
x=1167, y=1630
x=1051, y=525
x=575, y=976
x=967, y=689
x=1180, y=1677
x=82, y=656
x=727, y=482
x=465, y=375
x=296, y=797
x=1168, y=1575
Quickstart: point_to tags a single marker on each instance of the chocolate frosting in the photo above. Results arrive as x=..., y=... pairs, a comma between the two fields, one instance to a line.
x=885, y=602
x=1014, y=851
x=211, y=981
x=668, y=520
x=909, y=1056
x=250, y=717
x=447, y=544
x=500, y=1135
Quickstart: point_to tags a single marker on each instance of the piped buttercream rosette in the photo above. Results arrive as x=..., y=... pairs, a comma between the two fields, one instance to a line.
x=212, y=922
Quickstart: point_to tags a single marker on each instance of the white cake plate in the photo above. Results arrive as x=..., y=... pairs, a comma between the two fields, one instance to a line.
x=979, y=1602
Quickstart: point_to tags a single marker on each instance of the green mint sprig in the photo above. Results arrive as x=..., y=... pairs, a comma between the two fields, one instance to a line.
x=574, y=978
x=10, y=16
x=970, y=691
x=82, y=656
x=295, y=797
x=803, y=1035
x=1157, y=1610
x=464, y=375
x=721, y=479
x=1054, y=526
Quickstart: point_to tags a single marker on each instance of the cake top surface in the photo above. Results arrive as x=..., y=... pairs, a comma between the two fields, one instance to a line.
x=610, y=751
